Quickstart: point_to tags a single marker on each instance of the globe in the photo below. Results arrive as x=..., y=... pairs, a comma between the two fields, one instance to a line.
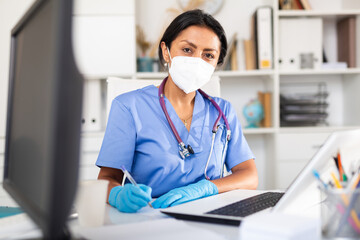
x=253, y=113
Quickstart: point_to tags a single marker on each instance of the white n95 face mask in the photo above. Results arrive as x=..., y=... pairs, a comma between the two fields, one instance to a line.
x=190, y=73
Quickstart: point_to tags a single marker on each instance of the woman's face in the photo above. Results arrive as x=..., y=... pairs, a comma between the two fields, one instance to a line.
x=195, y=41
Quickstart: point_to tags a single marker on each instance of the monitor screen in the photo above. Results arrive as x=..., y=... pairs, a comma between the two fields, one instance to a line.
x=44, y=115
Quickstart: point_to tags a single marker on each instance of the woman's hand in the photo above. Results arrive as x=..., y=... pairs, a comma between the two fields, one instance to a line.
x=130, y=198
x=203, y=188
x=127, y=198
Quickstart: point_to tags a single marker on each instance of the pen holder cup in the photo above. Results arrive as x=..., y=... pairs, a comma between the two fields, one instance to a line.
x=340, y=214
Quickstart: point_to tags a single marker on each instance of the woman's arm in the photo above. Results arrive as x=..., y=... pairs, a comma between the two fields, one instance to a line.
x=244, y=176
x=113, y=175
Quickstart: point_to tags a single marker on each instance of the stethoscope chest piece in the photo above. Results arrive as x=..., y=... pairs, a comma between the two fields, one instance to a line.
x=185, y=151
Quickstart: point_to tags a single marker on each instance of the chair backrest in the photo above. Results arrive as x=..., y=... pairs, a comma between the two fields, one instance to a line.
x=117, y=86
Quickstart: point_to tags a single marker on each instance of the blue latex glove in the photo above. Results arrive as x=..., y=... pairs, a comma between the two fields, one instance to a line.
x=130, y=198
x=203, y=188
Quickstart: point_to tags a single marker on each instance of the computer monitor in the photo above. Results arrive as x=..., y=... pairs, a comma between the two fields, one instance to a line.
x=44, y=116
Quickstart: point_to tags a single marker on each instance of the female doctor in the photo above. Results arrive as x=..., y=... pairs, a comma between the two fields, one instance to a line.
x=174, y=139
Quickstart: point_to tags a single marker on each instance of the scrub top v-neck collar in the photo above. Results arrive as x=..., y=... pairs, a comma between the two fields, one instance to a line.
x=192, y=137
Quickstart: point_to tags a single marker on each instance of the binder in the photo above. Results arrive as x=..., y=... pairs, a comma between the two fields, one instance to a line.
x=264, y=37
x=297, y=36
x=91, y=120
x=346, y=33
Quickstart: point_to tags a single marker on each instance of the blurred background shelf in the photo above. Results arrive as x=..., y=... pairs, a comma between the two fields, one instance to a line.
x=320, y=72
x=333, y=14
x=249, y=131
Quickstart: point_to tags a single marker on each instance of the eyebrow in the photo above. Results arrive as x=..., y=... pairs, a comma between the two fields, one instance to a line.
x=194, y=46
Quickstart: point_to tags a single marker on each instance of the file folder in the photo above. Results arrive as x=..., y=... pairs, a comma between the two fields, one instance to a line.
x=300, y=36
x=264, y=38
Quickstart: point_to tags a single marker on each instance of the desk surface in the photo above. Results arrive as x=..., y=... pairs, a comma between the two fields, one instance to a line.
x=151, y=224
x=148, y=223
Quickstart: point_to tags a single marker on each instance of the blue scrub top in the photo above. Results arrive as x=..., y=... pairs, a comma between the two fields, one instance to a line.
x=139, y=137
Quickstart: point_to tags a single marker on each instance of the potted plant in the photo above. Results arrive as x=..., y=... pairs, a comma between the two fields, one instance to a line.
x=144, y=62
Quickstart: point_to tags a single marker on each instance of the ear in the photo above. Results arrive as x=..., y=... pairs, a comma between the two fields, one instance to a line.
x=165, y=52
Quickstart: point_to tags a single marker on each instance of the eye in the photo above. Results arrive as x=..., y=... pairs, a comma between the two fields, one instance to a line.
x=209, y=56
x=187, y=50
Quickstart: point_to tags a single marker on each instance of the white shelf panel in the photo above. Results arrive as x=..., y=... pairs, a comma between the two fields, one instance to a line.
x=89, y=134
x=251, y=131
x=318, y=13
x=244, y=73
x=321, y=72
x=316, y=129
x=245, y=130
x=161, y=75
x=150, y=75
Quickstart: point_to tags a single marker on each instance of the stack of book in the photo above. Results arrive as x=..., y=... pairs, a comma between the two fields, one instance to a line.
x=304, y=108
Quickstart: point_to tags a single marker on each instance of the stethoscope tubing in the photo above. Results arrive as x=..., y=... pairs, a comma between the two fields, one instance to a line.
x=214, y=129
x=163, y=106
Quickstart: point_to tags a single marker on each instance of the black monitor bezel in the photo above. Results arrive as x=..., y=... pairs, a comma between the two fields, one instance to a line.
x=67, y=125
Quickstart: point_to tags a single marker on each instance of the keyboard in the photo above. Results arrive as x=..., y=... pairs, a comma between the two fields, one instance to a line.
x=250, y=205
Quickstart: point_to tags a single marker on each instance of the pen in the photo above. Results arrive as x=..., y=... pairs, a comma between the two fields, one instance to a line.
x=343, y=176
x=317, y=176
x=131, y=179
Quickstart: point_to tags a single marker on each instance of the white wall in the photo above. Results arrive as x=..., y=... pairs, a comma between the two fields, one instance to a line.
x=235, y=16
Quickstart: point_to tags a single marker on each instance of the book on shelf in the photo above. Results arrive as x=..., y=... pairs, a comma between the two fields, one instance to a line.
x=233, y=57
x=346, y=34
x=230, y=60
x=297, y=5
x=285, y=4
x=305, y=4
x=263, y=32
x=249, y=50
x=265, y=100
x=294, y=5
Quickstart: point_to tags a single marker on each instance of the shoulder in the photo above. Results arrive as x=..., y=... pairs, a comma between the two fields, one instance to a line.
x=225, y=105
x=129, y=99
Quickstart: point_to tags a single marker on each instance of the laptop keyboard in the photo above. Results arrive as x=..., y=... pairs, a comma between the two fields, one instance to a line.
x=249, y=205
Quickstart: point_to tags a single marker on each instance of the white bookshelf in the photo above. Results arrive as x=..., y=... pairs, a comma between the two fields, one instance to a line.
x=268, y=144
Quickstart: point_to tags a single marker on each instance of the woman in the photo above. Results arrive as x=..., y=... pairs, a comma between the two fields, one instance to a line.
x=140, y=137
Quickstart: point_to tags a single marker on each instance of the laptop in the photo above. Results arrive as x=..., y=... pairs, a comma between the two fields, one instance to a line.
x=302, y=197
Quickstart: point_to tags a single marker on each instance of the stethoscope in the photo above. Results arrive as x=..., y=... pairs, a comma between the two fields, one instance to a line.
x=186, y=151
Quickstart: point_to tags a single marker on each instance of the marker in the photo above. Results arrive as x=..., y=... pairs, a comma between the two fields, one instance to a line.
x=342, y=173
x=131, y=179
x=317, y=176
